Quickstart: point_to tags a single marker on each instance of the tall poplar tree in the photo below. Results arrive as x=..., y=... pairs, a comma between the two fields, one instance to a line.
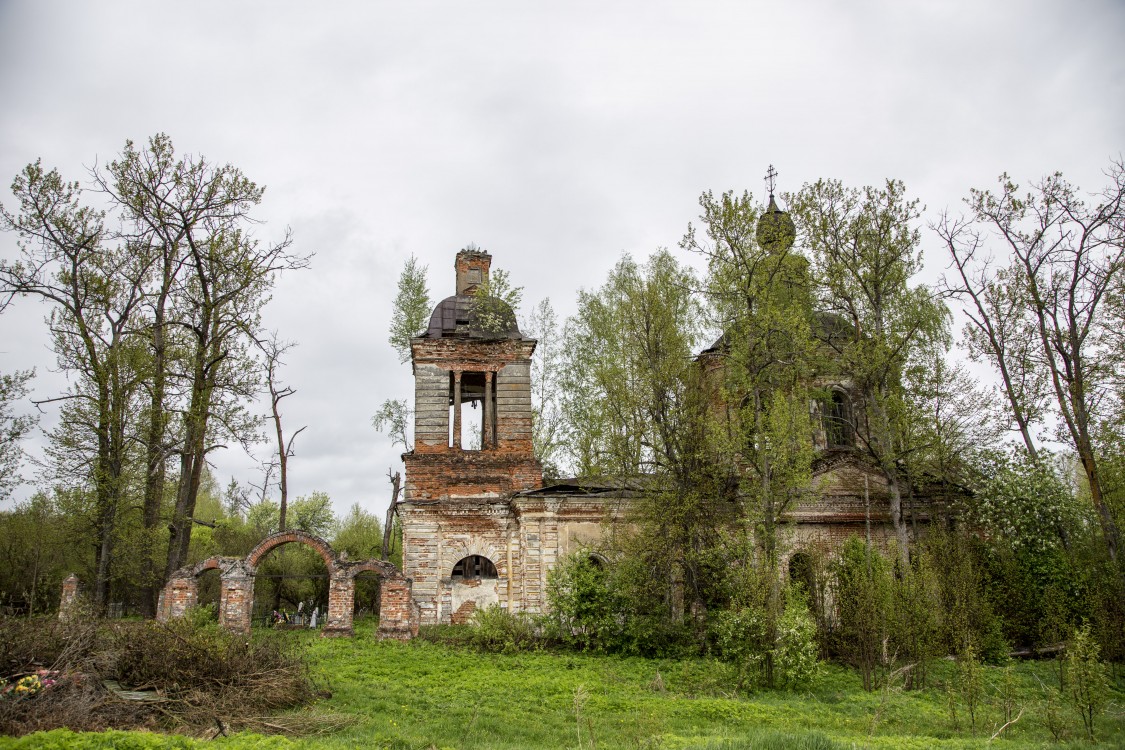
x=93, y=282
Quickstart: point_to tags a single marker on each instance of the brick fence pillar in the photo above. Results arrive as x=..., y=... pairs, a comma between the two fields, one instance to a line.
x=236, y=596
x=341, y=602
x=68, y=603
x=398, y=614
x=180, y=595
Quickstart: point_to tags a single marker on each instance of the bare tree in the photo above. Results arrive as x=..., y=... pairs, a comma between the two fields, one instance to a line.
x=999, y=329
x=1065, y=258
x=393, y=417
x=273, y=350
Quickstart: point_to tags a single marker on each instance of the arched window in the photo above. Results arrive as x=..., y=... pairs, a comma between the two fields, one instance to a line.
x=474, y=567
x=838, y=432
x=801, y=572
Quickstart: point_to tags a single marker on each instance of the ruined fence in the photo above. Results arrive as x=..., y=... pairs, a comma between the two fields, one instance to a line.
x=398, y=614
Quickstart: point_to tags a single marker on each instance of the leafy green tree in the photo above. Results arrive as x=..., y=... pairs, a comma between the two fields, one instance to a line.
x=152, y=313
x=914, y=621
x=769, y=649
x=863, y=592
x=1024, y=501
x=411, y=307
x=585, y=611
x=358, y=534
x=262, y=517
x=546, y=372
x=94, y=286
x=969, y=681
x=313, y=514
x=760, y=293
x=496, y=302
x=228, y=276
x=635, y=408
x=628, y=354
x=865, y=249
x=393, y=418
x=948, y=418
x=38, y=548
x=1088, y=678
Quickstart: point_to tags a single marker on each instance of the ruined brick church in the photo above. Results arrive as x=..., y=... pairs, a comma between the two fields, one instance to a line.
x=479, y=526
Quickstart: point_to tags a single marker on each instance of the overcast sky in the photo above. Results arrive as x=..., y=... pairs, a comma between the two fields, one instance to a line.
x=556, y=137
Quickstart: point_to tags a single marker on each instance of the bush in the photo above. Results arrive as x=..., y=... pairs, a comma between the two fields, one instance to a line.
x=208, y=668
x=27, y=643
x=496, y=630
x=768, y=648
x=1088, y=676
x=863, y=596
x=584, y=612
x=795, y=651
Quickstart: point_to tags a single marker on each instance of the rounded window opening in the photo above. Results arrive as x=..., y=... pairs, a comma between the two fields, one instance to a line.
x=474, y=567
x=838, y=421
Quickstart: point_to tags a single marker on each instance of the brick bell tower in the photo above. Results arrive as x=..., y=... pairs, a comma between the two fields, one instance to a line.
x=472, y=438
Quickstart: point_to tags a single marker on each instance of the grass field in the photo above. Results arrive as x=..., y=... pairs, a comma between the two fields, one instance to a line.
x=422, y=695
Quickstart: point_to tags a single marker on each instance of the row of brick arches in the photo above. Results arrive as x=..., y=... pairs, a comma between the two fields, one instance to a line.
x=398, y=615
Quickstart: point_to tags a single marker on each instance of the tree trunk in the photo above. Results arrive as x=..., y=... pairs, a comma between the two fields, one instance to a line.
x=192, y=458
x=154, y=464
x=396, y=488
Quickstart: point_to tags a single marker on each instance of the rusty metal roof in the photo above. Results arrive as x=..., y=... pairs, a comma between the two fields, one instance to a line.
x=456, y=317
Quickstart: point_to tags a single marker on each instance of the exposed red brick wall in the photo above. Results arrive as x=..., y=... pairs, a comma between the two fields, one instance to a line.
x=475, y=355
x=469, y=260
x=464, y=613
x=341, y=604
x=398, y=614
x=433, y=475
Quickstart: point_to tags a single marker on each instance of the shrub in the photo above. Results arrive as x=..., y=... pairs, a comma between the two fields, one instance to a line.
x=863, y=591
x=199, y=671
x=583, y=611
x=1088, y=676
x=795, y=660
x=767, y=647
x=496, y=630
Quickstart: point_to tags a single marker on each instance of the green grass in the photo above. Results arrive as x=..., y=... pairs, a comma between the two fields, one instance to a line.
x=422, y=695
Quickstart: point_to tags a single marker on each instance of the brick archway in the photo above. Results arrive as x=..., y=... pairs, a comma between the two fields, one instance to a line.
x=273, y=541
x=398, y=614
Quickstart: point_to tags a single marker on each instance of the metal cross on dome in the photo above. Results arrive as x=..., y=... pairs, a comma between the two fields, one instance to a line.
x=771, y=175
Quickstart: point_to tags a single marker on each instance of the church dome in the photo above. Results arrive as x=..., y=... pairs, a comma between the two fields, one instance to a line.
x=776, y=231
x=471, y=317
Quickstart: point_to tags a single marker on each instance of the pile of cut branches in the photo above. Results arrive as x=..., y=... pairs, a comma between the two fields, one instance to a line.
x=179, y=676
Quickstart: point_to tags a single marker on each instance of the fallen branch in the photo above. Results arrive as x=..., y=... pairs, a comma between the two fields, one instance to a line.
x=1010, y=723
